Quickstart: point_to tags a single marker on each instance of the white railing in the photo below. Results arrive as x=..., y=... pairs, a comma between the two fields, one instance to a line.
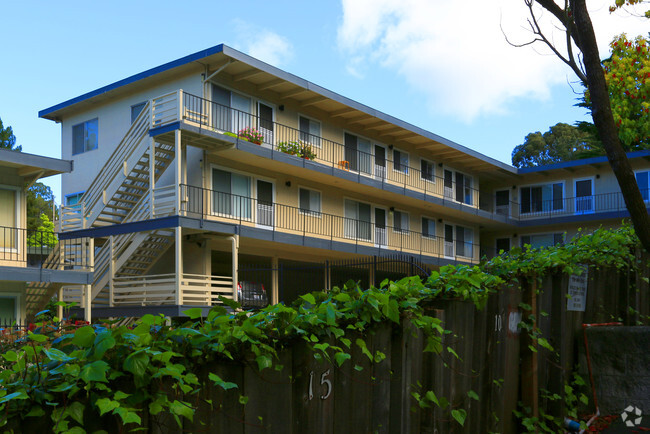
x=164, y=201
x=195, y=289
x=72, y=217
x=166, y=108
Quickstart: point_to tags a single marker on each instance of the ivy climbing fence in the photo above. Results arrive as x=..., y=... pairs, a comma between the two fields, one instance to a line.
x=429, y=364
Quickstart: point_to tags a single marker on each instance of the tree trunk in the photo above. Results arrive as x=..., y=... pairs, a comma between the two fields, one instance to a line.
x=601, y=113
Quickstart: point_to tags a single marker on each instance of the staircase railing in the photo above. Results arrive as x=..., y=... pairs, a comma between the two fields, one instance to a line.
x=106, y=183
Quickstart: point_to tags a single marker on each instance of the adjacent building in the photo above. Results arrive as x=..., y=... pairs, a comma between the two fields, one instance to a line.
x=196, y=170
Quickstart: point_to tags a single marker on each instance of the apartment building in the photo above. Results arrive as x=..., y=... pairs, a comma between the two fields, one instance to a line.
x=32, y=264
x=187, y=172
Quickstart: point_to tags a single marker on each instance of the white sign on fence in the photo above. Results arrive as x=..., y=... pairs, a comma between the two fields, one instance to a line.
x=577, y=298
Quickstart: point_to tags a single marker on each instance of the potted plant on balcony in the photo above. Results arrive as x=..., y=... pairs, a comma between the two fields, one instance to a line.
x=306, y=151
x=252, y=135
x=291, y=147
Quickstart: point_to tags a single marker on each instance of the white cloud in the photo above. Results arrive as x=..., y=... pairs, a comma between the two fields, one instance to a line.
x=263, y=44
x=456, y=53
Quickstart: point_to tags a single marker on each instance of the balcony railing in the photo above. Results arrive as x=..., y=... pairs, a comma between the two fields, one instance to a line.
x=301, y=144
x=41, y=249
x=366, y=163
x=244, y=210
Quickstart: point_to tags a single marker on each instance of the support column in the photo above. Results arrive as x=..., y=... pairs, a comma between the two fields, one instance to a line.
x=89, y=288
x=111, y=270
x=275, y=281
x=178, y=168
x=235, y=264
x=178, y=246
x=59, y=308
x=183, y=191
x=152, y=175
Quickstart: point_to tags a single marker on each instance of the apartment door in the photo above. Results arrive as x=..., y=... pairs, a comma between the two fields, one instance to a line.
x=502, y=244
x=265, y=214
x=449, y=184
x=380, y=161
x=449, y=241
x=380, y=227
x=584, y=196
x=357, y=220
x=265, y=123
x=463, y=188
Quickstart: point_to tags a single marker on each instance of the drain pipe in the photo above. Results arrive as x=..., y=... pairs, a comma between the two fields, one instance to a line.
x=234, y=239
x=591, y=375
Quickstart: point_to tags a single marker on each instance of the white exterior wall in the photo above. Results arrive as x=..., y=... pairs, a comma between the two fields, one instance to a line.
x=114, y=119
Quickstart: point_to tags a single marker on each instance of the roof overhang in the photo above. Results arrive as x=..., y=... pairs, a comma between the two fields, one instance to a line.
x=33, y=166
x=262, y=79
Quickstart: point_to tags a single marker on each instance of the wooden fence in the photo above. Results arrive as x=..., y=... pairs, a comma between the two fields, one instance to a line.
x=494, y=362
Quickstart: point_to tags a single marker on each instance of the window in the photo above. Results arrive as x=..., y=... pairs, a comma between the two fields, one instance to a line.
x=357, y=153
x=464, y=188
x=84, y=137
x=74, y=198
x=9, y=209
x=400, y=221
x=642, y=178
x=357, y=223
x=428, y=227
x=232, y=193
x=502, y=198
x=309, y=131
x=540, y=198
x=464, y=242
x=503, y=244
x=401, y=161
x=231, y=111
x=427, y=170
x=542, y=240
x=309, y=201
x=136, y=109
x=8, y=308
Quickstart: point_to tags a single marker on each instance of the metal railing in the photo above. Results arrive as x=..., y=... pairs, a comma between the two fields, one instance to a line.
x=365, y=163
x=41, y=249
x=301, y=144
x=238, y=209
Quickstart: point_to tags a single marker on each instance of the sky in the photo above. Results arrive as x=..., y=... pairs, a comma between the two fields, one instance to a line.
x=441, y=65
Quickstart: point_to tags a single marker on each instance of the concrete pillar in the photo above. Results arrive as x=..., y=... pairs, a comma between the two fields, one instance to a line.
x=275, y=280
x=152, y=175
x=178, y=247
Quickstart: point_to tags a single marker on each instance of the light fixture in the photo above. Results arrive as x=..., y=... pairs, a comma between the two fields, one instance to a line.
x=288, y=183
x=439, y=220
x=281, y=107
x=439, y=164
x=392, y=209
x=514, y=235
x=597, y=176
x=390, y=147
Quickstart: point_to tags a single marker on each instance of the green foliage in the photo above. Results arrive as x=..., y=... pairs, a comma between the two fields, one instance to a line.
x=562, y=142
x=39, y=202
x=43, y=236
x=7, y=139
x=298, y=148
x=627, y=73
x=72, y=374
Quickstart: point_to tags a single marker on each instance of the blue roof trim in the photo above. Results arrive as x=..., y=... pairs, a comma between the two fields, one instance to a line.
x=124, y=228
x=132, y=79
x=576, y=163
x=164, y=129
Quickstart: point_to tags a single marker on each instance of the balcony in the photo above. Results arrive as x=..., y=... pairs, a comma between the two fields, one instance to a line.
x=270, y=216
x=350, y=161
x=38, y=249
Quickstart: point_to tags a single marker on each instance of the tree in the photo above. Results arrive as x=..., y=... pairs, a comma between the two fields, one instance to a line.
x=574, y=19
x=7, y=139
x=562, y=142
x=626, y=73
x=39, y=202
x=43, y=236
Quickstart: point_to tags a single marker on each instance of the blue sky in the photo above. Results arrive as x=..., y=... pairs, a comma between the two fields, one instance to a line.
x=441, y=65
